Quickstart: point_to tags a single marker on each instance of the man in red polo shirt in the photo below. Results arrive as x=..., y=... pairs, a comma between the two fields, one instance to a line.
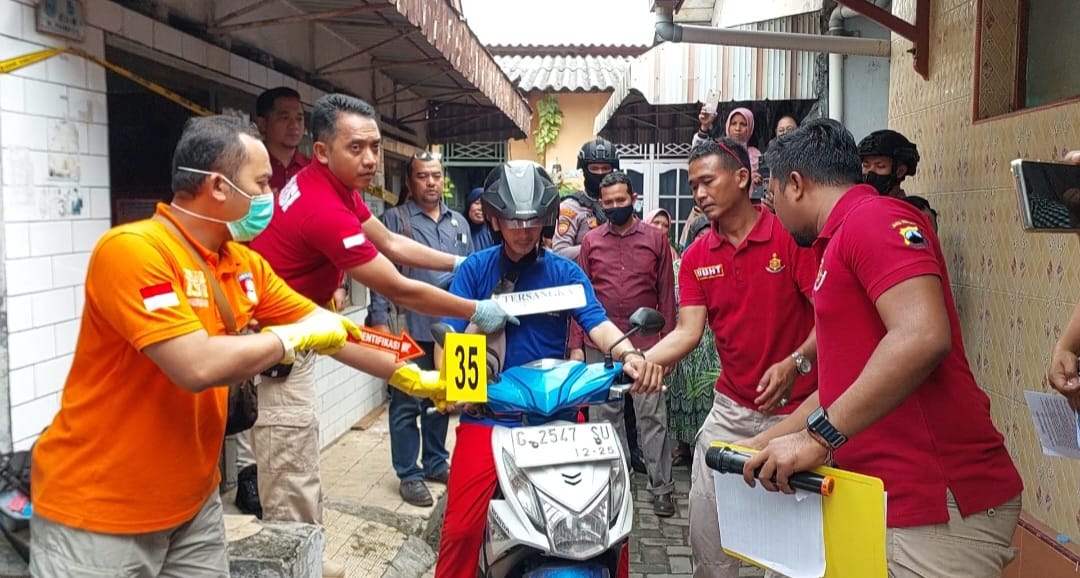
x=321, y=230
x=752, y=284
x=897, y=399
x=280, y=118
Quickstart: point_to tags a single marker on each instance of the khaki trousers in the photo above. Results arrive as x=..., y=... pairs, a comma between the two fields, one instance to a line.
x=651, y=412
x=286, y=443
x=195, y=549
x=727, y=422
x=975, y=547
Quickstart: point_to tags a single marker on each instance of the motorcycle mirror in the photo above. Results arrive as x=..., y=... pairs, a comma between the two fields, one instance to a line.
x=647, y=321
x=439, y=331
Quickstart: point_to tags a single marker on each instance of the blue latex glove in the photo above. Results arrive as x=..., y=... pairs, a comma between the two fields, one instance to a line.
x=490, y=317
x=458, y=260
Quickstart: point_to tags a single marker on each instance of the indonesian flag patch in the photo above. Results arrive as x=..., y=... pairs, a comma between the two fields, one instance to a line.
x=353, y=238
x=159, y=296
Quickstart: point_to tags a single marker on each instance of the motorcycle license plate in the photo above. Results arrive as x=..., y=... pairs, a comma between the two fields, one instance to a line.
x=562, y=444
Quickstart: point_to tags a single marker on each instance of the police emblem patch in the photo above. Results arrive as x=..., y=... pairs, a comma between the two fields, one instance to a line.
x=775, y=265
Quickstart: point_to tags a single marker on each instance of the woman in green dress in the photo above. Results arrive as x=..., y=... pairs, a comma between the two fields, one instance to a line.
x=690, y=386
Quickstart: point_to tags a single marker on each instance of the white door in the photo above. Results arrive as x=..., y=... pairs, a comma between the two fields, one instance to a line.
x=672, y=192
x=640, y=175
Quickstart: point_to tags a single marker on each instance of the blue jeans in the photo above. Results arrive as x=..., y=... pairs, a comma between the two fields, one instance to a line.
x=405, y=436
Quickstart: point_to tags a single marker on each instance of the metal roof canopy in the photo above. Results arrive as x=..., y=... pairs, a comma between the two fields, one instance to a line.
x=674, y=76
x=425, y=47
x=636, y=121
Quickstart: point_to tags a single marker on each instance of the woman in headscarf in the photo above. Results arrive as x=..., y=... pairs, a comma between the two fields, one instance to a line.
x=690, y=387
x=661, y=219
x=474, y=212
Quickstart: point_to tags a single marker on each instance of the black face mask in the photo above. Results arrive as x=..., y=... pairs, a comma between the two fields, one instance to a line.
x=619, y=216
x=883, y=183
x=592, y=184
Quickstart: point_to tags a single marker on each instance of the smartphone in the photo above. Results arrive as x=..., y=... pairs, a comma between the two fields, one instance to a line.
x=1049, y=195
x=712, y=101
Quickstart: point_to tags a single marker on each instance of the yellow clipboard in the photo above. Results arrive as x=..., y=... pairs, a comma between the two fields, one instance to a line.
x=854, y=524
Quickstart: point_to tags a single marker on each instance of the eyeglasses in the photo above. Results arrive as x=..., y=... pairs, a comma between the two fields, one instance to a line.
x=427, y=156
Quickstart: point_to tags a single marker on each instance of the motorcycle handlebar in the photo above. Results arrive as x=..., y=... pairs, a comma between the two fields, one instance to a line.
x=729, y=461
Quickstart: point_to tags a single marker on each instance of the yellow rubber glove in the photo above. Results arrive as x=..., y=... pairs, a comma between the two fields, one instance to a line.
x=324, y=333
x=419, y=382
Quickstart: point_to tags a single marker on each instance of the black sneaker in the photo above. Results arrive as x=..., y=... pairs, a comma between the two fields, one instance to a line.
x=415, y=492
x=663, y=505
x=247, y=491
x=442, y=477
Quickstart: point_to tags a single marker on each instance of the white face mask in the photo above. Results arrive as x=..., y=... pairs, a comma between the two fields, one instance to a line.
x=246, y=228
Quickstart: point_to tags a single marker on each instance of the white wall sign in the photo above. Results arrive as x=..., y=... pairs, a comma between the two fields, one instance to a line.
x=65, y=18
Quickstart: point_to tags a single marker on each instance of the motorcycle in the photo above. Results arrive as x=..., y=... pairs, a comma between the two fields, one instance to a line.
x=563, y=507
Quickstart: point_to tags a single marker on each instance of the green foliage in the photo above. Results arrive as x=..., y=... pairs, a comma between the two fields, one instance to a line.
x=449, y=188
x=550, y=118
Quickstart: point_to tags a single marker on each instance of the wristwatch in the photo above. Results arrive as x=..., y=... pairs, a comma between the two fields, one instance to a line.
x=818, y=423
x=802, y=363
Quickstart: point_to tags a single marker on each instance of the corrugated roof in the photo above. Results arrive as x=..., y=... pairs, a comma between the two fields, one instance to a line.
x=678, y=73
x=564, y=73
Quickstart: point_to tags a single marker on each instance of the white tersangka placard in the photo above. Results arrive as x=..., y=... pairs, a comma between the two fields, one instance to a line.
x=542, y=300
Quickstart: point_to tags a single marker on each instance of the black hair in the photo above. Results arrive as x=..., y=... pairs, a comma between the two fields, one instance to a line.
x=325, y=113
x=724, y=148
x=920, y=203
x=617, y=178
x=783, y=116
x=209, y=143
x=822, y=151
x=264, y=104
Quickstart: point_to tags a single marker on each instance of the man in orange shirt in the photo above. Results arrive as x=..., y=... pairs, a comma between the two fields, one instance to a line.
x=125, y=479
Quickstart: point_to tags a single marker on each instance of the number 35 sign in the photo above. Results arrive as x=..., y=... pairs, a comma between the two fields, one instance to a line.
x=465, y=367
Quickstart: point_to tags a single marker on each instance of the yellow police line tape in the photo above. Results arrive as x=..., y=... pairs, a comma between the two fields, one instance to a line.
x=13, y=64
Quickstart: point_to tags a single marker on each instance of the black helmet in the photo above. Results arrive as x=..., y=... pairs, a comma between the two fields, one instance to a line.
x=521, y=192
x=598, y=151
x=889, y=143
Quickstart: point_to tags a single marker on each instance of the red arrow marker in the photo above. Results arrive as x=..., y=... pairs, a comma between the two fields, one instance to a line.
x=404, y=346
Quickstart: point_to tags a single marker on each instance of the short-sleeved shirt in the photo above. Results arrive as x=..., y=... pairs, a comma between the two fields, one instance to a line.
x=575, y=220
x=941, y=437
x=449, y=234
x=757, y=297
x=283, y=174
x=540, y=336
x=131, y=452
x=316, y=233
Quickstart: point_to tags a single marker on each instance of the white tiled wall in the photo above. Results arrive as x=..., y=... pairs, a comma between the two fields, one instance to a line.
x=53, y=115
x=53, y=135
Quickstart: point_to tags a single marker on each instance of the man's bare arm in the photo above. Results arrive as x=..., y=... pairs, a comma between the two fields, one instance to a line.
x=683, y=339
x=196, y=361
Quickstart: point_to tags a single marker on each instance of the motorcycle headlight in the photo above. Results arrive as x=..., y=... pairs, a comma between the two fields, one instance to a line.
x=578, y=537
x=524, y=492
x=617, y=491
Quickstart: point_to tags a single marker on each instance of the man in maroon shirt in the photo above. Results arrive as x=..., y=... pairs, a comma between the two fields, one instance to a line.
x=897, y=399
x=750, y=281
x=629, y=264
x=280, y=118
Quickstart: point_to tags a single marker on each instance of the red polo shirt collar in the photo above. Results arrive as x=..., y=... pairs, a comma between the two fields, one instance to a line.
x=760, y=233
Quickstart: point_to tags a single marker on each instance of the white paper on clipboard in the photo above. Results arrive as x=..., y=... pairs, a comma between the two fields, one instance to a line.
x=546, y=300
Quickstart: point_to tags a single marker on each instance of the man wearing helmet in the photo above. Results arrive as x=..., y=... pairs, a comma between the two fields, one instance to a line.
x=887, y=158
x=520, y=200
x=581, y=212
